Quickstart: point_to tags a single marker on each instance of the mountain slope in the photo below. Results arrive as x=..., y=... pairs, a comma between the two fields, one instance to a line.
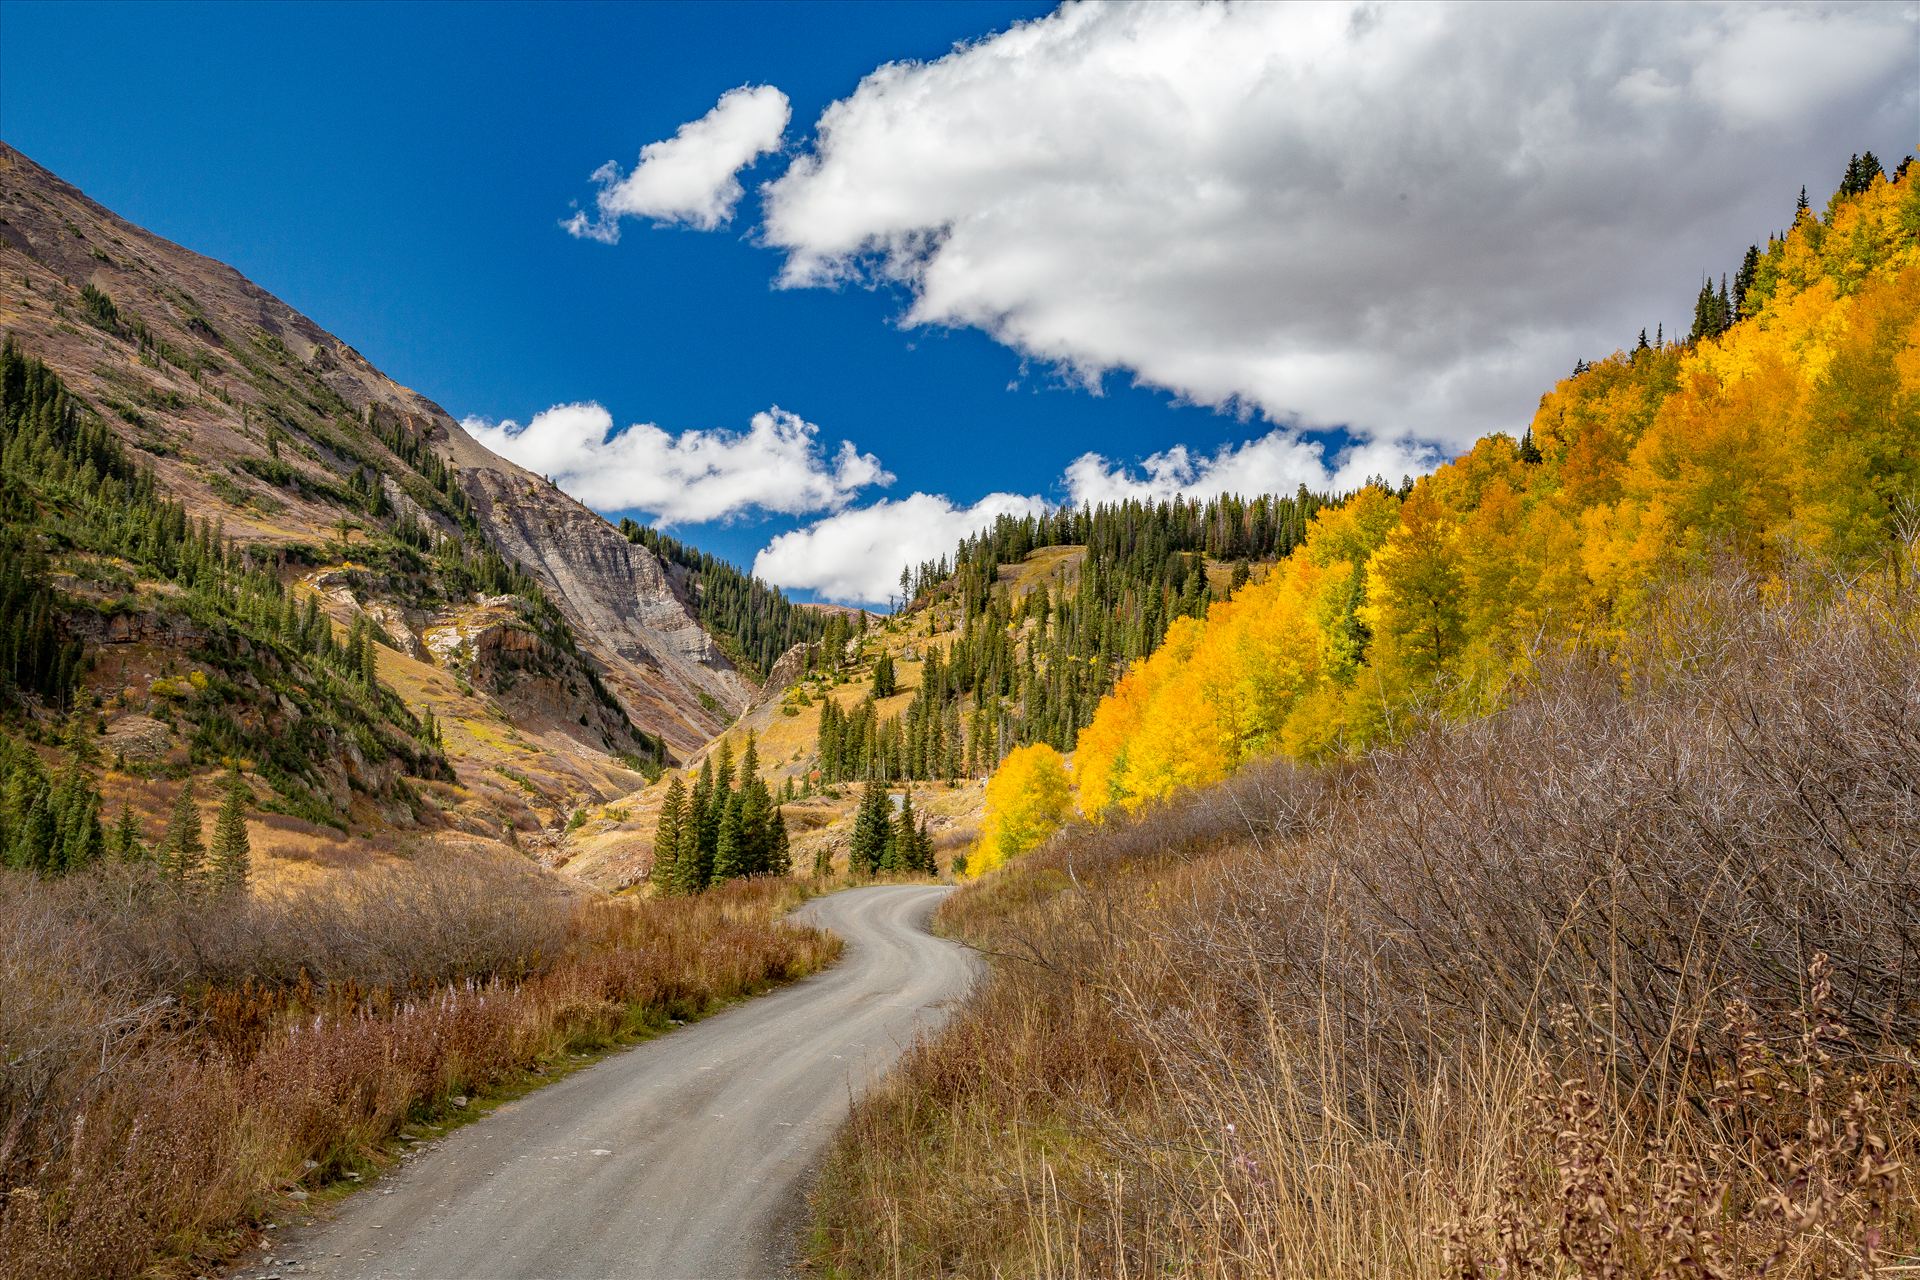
x=237, y=540
x=207, y=360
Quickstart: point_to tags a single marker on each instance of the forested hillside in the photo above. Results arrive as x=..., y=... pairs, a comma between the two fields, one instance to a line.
x=1015, y=639
x=1789, y=432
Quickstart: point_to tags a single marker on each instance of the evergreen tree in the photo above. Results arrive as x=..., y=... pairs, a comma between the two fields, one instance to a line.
x=885, y=684
x=730, y=853
x=756, y=826
x=1743, y=280
x=183, y=853
x=705, y=825
x=78, y=838
x=692, y=864
x=232, y=862
x=666, y=839
x=125, y=843
x=870, y=831
x=904, y=850
x=779, y=853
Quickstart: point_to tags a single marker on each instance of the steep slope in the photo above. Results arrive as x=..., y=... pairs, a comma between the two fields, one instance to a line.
x=234, y=539
x=205, y=366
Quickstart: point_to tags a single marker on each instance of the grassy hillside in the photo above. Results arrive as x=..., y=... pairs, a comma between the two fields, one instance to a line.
x=1620, y=980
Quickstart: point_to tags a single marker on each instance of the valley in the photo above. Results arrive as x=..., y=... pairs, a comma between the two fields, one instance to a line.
x=1385, y=825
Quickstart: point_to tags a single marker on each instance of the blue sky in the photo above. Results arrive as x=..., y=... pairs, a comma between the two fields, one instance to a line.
x=400, y=173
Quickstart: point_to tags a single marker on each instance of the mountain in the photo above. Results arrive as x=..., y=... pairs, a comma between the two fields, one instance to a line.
x=552, y=657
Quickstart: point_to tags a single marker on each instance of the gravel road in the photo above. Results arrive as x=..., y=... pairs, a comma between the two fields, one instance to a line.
x=686, y=1156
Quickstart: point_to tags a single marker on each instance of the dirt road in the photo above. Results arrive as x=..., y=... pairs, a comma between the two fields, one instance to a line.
x=682, y=1157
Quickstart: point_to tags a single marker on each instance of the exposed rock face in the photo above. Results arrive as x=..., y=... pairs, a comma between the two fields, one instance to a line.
x=619, y=593
x=787, y=670
x=205, y=430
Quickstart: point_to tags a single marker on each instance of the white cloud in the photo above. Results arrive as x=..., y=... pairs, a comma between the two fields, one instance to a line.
x=777, y=465
x=1278, y=462
x=857, y=555
x=1402, y=218
x=692, y=177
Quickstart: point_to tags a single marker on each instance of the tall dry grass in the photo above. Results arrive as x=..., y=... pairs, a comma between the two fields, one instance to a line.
x=1623, y=980
x=172, y=1067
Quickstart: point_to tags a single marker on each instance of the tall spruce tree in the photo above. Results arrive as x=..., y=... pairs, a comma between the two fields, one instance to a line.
x=779, y=852
x=666, y=839
x=183, y=853
x=704, y=815
x=756, y=802
x=232, y=861
x=871, y=830
x=904, y=848
x=79, y=838
x=730, y=860
x=125, y=842
x=692, y=864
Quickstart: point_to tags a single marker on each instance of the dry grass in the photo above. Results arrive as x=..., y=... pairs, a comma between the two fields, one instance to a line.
x=1621, y=981
x=173, y=1068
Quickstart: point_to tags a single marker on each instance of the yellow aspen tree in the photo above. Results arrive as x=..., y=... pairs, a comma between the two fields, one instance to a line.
x=1027, y=801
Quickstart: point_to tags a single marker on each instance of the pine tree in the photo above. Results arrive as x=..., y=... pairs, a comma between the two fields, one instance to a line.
x=904, y=848
x=704, y=823
x=183, y=853
x=692, y=865
x=666, y=839
x=125, y=843
x=232, y=862
x=923, y=842
x=75, y=806
x=779, y=853
x=1743, y=280
x=870, y=831
x=885, y=683
x=730, y=853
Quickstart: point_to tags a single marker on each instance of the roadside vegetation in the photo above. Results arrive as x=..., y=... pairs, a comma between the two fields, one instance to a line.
x=180, y=1065
x=1621, y=980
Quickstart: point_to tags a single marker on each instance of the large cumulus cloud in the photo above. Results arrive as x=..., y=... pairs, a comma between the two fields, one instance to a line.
x=1398, y=218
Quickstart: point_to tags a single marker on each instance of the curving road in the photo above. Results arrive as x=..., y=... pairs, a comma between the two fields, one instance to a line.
x=686, y=1156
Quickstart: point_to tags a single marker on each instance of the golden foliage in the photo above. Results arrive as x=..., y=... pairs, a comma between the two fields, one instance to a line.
x=1027, y=800
x=1797, y=431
